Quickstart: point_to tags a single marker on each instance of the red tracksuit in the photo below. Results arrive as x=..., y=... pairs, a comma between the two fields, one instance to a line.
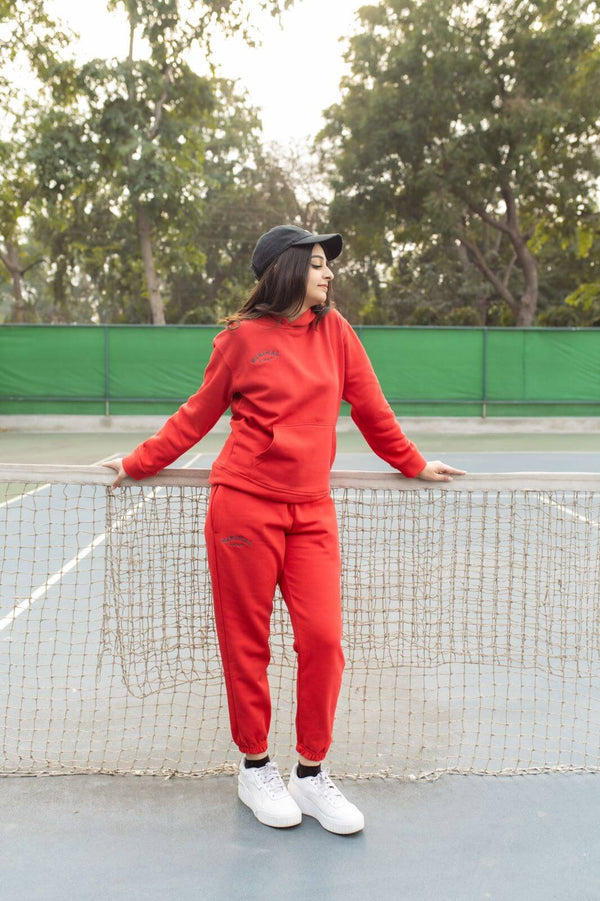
x=271, y=519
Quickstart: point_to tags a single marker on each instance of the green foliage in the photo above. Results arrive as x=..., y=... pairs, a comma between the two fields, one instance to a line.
x=462, y=316
x=146, y=133
x=468, y=124
x=558, y=317
x=426, y=315
x=500, y=315
x=451, y=110
x=31, y=39
x=584, y=303
x=585, y=296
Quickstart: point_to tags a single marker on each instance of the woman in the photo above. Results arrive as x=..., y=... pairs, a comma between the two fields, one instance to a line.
x=283, y=364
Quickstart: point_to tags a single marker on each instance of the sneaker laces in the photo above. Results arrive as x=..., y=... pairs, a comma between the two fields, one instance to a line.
x=329, y=791
x=270, y=780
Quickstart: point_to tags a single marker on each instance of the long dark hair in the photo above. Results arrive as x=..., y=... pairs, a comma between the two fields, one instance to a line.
x=281, y=289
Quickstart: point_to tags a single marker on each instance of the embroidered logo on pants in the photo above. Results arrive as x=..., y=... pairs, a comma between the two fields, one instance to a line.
x=236, y=541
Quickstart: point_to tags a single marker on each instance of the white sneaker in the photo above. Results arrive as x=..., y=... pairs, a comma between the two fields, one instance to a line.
x=262, y=789
x=318, y=797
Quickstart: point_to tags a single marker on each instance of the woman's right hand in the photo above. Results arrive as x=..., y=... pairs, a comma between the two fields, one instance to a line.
x=117, y=465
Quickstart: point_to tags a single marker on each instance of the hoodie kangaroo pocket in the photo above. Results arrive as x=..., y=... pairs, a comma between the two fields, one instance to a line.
x=298, y=457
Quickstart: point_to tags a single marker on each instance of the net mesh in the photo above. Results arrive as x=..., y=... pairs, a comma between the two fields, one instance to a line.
x=471, y=628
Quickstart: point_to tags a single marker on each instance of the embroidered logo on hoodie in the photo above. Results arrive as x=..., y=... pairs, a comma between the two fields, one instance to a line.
x=236, y=541
x=265, y=356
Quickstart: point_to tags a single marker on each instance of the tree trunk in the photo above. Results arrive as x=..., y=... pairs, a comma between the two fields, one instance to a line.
x=529, y=298
x=157, y=308
x=527, y=261
x=482, y=302
x=524, y=309
x=501, y=289
x=11, y=261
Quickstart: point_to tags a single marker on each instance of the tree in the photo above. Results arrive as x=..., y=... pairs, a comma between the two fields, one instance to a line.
x=240, y=203
x=127, y=137
x=30, y=45
x=157, y=107
x=16, y=189
x=470, y=125
x=31, y=40
x=219, y=189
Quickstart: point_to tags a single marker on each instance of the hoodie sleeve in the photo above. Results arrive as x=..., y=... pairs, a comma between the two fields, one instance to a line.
x=371, y=411
x=192, y=421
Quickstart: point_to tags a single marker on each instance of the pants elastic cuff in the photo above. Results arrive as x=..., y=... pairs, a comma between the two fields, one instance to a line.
x=317, y=756
x=254, y=749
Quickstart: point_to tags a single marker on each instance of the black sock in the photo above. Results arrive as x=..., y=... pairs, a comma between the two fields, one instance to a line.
x=304, y=770
x=251, y=763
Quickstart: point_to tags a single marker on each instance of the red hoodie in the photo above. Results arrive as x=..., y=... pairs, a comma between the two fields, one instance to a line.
x=284, y=382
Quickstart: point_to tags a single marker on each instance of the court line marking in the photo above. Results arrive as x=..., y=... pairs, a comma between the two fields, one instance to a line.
x=590, y=522
x=39, y=592
x=478, y=495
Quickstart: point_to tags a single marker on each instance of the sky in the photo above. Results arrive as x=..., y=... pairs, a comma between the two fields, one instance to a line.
x=291, y=78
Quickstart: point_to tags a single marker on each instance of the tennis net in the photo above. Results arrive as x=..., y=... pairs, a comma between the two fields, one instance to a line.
x=471, y=627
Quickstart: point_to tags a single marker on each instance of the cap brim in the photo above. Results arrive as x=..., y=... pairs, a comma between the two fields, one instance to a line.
x=331, y=244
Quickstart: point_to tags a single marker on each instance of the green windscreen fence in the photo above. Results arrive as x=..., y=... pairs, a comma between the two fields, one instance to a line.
x=424, y=371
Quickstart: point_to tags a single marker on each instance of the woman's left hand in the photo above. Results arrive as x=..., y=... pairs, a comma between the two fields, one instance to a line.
x=436, y=471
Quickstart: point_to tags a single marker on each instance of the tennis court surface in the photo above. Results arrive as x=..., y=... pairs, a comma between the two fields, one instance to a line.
x=472, y=631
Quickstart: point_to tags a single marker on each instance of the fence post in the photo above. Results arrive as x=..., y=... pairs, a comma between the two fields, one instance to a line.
x=484, y=374
x=106, y=372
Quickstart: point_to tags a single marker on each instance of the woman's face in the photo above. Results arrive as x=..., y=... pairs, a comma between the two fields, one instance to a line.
x=319, y=276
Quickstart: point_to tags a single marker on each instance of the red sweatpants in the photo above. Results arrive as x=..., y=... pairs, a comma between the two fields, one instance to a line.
x=255, y=544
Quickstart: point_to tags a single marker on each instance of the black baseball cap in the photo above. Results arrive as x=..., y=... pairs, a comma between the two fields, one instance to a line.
x=276, y=240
